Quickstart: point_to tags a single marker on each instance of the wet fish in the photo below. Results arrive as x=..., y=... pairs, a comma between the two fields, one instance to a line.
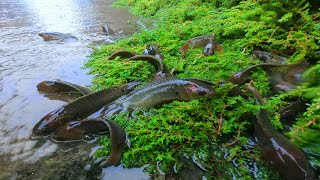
x=243, y=76
x=153, y=50
x=79, y=109
x=206, y=42
x=84, y=129
x=269, y=57
x=107, y=30
x=121, y=54
x=212, y=47
x=162, y=69
x=79, y=130
x=118, y=141
x=197, y=42
x=56, y=36
x=277, y=150
x=159, y=92
x=293, y=108
x=58, y=86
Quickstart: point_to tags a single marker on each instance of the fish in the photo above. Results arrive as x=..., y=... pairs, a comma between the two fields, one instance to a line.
x=269, y=57
x=243, y=76
x=197, y=42
x=56, y=36
x=106, y=29
x=118, y=140
x=58, y=86
x=121, y=54
x=277, y=150
x=79, y=109
x=153, y=50
x=158, y=92
x=293, y=108
x=85, y=130
x=162, y=69
x=206, y=42
x=151, y=55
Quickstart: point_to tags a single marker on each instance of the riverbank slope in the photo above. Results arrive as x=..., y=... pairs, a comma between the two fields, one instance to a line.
x=216, y=133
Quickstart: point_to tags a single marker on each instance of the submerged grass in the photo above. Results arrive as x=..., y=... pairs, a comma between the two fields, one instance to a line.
x=217, y=132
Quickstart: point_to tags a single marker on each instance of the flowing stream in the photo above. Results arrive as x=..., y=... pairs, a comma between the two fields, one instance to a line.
x=26, y=59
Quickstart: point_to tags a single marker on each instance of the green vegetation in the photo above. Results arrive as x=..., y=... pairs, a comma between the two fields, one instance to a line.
x=215, y=131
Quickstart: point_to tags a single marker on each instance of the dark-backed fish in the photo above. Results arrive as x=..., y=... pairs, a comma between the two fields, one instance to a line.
x=207, y=42
x=277, y=150
x=153, y=50
x=162, y=69
x=79, y=109
x=80, y=130
x=118, y=141
x=159, y=92
x=58, y=86
x=121, y=54
x=269, y=57
x=243, y=76
x=56, y=36
x=106, y=29
x=197, y=42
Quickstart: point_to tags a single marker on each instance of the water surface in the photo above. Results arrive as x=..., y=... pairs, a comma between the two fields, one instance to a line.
x=26, y=60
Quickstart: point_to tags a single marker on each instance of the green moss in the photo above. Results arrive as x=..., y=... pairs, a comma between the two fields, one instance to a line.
x=214, y=130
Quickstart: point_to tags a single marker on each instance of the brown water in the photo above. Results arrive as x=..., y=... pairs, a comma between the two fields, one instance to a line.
x=26, y=60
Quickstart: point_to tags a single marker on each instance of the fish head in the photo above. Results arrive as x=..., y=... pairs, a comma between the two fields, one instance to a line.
x=195, y=89
x=208, y=49
x=45, y=36
x=48, y=124
x=46, y=86
x=69, y=132
x=86, y=129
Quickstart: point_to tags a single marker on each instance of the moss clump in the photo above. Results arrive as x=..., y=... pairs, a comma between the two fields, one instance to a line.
x=215, y=131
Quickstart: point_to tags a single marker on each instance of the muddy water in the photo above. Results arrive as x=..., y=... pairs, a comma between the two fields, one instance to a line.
x=25, y=60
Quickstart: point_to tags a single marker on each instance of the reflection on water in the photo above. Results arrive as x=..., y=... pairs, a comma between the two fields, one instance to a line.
x=61, y=15
x=26, y=60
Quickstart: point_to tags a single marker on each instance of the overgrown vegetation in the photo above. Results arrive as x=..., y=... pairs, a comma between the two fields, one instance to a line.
x=215, y=131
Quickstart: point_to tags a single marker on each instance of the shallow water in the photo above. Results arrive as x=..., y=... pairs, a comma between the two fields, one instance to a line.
x=26, y=60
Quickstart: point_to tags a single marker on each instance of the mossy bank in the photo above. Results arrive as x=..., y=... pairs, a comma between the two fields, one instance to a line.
x=216, y=132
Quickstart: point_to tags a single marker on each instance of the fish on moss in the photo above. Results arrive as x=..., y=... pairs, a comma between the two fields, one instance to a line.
x=277, y=150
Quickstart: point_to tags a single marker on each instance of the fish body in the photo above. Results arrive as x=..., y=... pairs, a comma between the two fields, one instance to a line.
x=58, y=86
x=56, y=36
x=162, y=69
x=243, y=76
x=86, y=129
x=269, y=57
x=159, y=92
x=277, y=150
x=118, y=141
x=79, y=109
x=107, y=30
x=197, y=42
x=81, y=130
